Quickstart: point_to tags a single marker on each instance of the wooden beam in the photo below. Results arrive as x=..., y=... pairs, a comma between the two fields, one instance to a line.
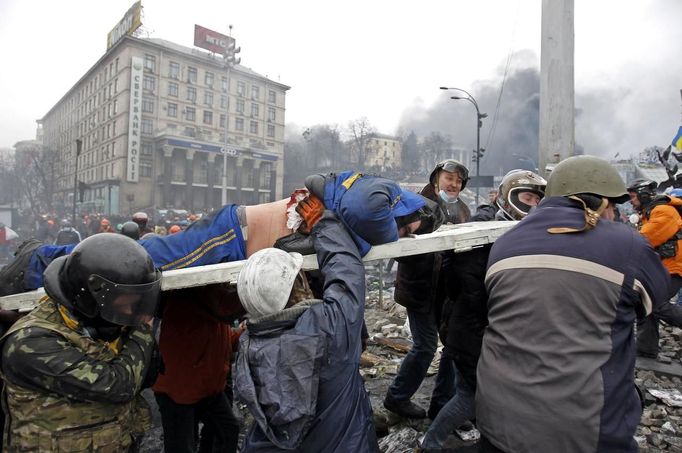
x=459, y=238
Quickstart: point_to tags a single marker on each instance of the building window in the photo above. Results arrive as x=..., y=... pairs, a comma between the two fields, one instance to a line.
x=223, y=84
x=239, y=124
x=255, y=111
x=172, y=109
x=222, y=120
x=172, y=89
x=272, y=97
x=271, y=114
x=149, y=83
x=208, y=117
x=208, y=98
x=147, y=126
x=223, y=101
x=145, y=170
x=253, y=127
x=241, y=89
x=147, y=105
x=174, y=70
x=240, y=106
x=146, y=149
x=150, y=62
x=209, y=79
x=190, y=113
x=115, y=107
x=191, y=94
x=271, y=130
x=191, y=74
x=255, y=92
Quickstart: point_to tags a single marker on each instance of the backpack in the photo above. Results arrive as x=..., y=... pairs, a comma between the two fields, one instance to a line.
x=12, y=275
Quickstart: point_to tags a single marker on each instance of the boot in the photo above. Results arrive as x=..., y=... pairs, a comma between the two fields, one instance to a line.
x=406, y=409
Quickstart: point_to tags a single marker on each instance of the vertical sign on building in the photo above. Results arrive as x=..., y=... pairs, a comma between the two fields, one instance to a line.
x=134, y=119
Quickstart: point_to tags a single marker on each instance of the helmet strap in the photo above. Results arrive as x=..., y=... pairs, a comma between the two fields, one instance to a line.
x=591, y=217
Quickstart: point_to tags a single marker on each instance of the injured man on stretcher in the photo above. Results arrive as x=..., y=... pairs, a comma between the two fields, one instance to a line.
x=374, y=209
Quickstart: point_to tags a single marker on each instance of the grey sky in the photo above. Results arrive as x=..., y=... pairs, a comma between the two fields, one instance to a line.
x=381, y=59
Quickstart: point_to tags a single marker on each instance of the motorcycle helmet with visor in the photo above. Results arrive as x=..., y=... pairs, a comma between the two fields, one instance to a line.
x=107, y=276
x=516, y=192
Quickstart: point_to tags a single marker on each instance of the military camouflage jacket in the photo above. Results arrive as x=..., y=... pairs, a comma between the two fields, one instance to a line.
x=67, y=392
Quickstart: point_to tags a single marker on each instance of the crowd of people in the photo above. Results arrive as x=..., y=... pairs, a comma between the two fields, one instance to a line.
x=538, y=328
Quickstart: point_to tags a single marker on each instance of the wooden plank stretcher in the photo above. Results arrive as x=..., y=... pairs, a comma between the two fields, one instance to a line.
x=460, y=238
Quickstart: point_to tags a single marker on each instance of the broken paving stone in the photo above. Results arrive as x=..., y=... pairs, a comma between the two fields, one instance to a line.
x=404, y=440
x=656, y=440
x=470, y=435
x=672, y=397
x=389, y=328
x=668, y=428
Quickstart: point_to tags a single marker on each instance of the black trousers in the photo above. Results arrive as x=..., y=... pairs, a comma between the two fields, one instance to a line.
x=221, y=427
x=647, y=328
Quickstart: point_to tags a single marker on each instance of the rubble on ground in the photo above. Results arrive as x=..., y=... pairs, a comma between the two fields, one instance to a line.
x=660, y=428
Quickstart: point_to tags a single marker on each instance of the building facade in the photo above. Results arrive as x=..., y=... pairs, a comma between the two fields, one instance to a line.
x=151, y=117
x=383, y=152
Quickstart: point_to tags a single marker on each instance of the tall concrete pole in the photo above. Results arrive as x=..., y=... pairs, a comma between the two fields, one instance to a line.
x=557, y=104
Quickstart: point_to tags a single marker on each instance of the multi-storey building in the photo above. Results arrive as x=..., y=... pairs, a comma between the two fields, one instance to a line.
x=151, y=117
x=384, y=152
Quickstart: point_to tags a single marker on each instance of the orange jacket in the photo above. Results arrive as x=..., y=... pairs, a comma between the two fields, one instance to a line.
x=662, y=223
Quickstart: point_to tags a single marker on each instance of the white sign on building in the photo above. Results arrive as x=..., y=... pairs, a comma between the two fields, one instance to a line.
x=134, y=119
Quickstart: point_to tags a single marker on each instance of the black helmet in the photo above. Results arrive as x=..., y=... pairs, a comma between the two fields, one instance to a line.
x=513, y=183
x=452, y=166
x=644, y=188
x=131, y=229
x=141, y=218
x=106, y=275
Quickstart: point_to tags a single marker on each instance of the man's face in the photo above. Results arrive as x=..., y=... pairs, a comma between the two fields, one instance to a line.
x=529, y=198
x=450, y=182
x=609, y=213
x=634, y=200
x=410, y=228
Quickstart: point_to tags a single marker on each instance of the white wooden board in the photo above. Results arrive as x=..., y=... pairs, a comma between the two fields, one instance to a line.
x=459, y=238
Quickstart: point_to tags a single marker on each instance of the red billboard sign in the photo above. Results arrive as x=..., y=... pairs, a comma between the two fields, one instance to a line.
x=211, y=40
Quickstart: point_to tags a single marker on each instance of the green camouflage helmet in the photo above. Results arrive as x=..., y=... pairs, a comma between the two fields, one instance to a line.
x=588, y=175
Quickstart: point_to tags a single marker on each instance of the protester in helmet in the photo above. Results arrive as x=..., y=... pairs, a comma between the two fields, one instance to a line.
x=312, y=350
x=419, y=288
x=660, y=223
x=142, y=219
x=73, y=372
x=519, y=192
x=131, y=229
x=465, y=311
x=174, y=229
x=556, y=370
x=67, y=234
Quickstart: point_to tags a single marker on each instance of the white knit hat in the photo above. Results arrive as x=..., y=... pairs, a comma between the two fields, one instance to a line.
x=265, y=281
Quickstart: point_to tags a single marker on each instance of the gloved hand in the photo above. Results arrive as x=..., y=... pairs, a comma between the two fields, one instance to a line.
x=311, y=209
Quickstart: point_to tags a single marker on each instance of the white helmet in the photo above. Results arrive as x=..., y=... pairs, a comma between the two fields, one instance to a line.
x=265, y=281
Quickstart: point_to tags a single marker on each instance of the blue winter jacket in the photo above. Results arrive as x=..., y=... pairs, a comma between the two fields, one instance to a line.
x=298, y=370
x=368, y=206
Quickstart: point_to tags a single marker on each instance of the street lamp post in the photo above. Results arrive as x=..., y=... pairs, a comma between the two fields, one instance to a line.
x=478, y=152
x=79, y=147
x=231, y=60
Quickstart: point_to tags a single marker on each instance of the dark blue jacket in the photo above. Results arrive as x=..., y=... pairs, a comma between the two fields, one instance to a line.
x=298, y=370
x=368, y=205
x=556, y=371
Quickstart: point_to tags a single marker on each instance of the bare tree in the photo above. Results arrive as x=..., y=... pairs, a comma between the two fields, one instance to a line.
x=435, y=148
x=360, y=132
